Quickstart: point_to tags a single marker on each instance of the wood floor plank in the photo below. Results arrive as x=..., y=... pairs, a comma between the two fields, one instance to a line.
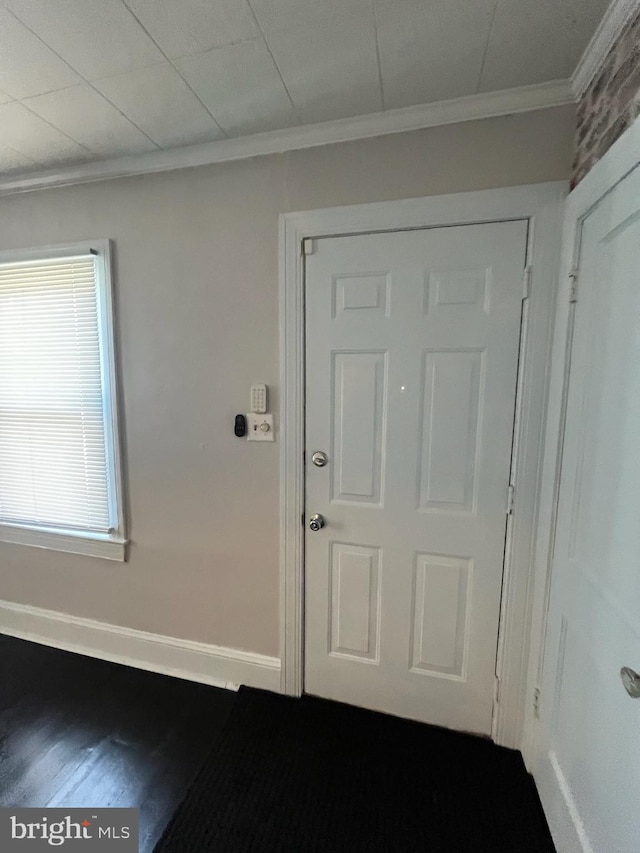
x=80, y=732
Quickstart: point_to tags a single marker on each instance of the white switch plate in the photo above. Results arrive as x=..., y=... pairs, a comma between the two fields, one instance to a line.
x=260, y=427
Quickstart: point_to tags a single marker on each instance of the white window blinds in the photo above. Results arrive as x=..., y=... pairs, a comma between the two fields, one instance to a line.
x=53, y=452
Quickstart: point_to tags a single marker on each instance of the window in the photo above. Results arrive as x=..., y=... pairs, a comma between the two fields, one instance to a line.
x=60, y=484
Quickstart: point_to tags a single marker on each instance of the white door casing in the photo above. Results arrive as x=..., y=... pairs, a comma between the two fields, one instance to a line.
x=412, y=360
x=541, y=205
x=588, y=764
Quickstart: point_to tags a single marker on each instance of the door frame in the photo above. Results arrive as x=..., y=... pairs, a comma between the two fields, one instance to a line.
x=621, y=159
x=541, y=205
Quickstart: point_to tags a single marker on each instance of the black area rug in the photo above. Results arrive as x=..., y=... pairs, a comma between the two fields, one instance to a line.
x=311, y=776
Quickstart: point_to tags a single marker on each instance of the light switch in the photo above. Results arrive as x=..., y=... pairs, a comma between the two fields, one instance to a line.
x=260, y=427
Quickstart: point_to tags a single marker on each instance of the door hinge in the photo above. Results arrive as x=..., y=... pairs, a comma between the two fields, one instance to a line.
x=536, y=703
x=511, y=496
x=496, y=690
x=526, y=282
x=573, y=291
x=307, y=246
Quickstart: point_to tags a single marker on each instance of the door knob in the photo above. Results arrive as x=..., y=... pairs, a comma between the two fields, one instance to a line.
x=319, y=459
x=631, y=681
x=316, y=522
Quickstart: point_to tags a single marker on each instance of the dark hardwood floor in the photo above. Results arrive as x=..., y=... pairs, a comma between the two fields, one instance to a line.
x=80, y=732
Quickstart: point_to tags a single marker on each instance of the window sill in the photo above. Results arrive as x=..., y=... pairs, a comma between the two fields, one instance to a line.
x=107, y=546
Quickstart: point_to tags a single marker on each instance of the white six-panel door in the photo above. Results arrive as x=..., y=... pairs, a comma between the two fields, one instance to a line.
x=589, y=774
x=411, y=369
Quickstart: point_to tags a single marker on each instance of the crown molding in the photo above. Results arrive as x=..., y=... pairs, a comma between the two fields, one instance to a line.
x=614, y=21
x=468, y=108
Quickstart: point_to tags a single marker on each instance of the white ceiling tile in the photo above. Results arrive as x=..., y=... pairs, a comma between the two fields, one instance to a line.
x=32, y=137
x=184, y=27
x=330, y=68
x=27, y=66
x=431, y=52
x=87, y=117
x=532, y=42
x=99, y=38
x=161, y=104
x=248, y=60
x=241, y=87
x=11, y=160
x=275, y=15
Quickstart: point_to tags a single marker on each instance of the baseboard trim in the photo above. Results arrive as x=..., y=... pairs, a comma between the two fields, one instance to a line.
x=216, y=665
x=563, y=818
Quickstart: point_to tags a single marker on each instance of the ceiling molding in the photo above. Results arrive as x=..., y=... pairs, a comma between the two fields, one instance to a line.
x=615, y=19
x=468, y=108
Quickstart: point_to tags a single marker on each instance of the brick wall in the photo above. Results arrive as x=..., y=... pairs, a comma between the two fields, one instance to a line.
x=611, y=103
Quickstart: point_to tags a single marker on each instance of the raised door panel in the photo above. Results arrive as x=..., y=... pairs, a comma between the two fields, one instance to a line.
x=358, y=426
x=458, y=290
x=355, y=295
x=442, y=587
x=450, y=430
x=354, y=615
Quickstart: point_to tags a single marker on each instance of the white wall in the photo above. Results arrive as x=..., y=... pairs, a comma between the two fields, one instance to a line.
x=196, y=286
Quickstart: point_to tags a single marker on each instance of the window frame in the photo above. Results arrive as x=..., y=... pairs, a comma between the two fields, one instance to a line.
x=112, y=545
